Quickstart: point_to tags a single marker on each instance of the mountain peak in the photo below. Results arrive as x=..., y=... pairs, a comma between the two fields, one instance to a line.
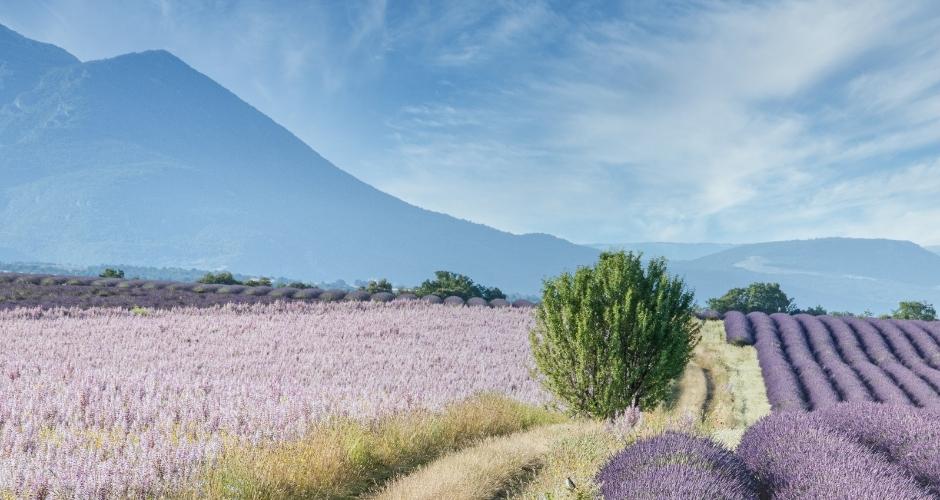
x=23, y=62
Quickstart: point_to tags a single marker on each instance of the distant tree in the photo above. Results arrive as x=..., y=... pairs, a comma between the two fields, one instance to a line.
x=373, y=287
x=815, y=311
x=221, y=278
x=299, y=285
x=447, y=284
x=915, y=310
x=762, y=297
x=614, y=335
x=112, y=273
x=262, y=281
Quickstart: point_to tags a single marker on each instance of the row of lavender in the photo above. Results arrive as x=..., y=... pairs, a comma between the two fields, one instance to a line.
x=810, y=362
x=849, y=450
x=28, y=290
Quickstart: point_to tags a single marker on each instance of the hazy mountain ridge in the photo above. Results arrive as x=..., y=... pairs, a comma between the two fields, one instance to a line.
x=838, y=273
x=143, y=160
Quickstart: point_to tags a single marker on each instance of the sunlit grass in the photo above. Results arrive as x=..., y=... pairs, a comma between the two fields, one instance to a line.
x=343, y=458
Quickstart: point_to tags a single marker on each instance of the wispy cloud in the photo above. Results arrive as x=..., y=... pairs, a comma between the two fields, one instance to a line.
x=617, y=121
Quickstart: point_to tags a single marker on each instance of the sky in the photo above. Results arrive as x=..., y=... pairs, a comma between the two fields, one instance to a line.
x=597, y=122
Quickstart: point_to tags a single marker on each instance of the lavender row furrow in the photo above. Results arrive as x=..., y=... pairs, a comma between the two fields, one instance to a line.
x=926, y=345
x=738, y=329
x=882, y=386
x=907, y=353
x=875, y=345
x=815, y=382
x=781, y=383
x=846, y=379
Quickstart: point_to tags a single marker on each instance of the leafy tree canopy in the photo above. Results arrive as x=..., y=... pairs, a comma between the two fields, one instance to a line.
x=762, y=297
x=447, y=283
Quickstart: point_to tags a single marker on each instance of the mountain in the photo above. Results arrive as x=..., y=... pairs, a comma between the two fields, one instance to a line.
x=934, y=248
x=143, y=160
x=838, y=273
x=671, y=251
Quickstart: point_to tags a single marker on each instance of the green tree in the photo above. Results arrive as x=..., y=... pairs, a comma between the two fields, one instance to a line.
x=762, y=297
x=613, y=335
x=382, y=285
x=262, y=281
x=446, y=283
x=112, y=273
x=222, y=278
x=915, y=310
x=815, y=311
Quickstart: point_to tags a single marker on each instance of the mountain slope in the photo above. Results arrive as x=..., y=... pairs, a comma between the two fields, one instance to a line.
x=671, y=251
x=838, y=273
x=23, y=62
x=143, y=160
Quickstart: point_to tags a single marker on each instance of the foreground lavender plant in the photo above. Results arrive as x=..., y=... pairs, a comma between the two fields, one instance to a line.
x=676, y=466
x=798, y=455
x=103, y=402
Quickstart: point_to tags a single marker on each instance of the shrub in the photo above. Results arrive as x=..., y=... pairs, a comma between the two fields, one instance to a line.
x=262, y=281
x=760, y=297
x=915, y=310
x=453, y=300
x=382, y=285
x=382, y=297
x=112, y=273
x=448, y=284
x=815, y=311
x=222, y=278
x=614, y=334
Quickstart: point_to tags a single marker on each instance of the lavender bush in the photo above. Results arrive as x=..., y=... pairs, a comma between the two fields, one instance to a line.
x=797, y=455
x=103, y=402
x=676, y=466
x=738, y=329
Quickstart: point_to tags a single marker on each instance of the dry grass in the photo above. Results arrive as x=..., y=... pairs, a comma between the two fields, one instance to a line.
x=486, y=470
x=346, y=458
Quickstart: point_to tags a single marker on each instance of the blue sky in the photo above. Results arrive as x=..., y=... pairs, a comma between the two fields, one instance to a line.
x=601, y=122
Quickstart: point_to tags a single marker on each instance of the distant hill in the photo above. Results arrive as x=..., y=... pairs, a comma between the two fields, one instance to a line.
x=838, y=273
x=671, y=251
x=934, y=248
x=143, y=160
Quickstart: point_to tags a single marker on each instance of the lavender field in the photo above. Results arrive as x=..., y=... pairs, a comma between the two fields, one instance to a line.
x=812, y=362
x=103, y=402
x=847, y=450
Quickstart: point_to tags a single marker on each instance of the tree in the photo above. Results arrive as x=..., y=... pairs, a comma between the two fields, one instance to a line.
x=382, y=285
x=112, y=273
x=915, y=310
x=447, y=283
x=222, y=278
x=262, y=281
x=815, y=311
x=762, y=297
x=613, y=335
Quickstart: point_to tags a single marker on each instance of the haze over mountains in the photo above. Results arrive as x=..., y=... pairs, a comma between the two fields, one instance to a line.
x=142, y=160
